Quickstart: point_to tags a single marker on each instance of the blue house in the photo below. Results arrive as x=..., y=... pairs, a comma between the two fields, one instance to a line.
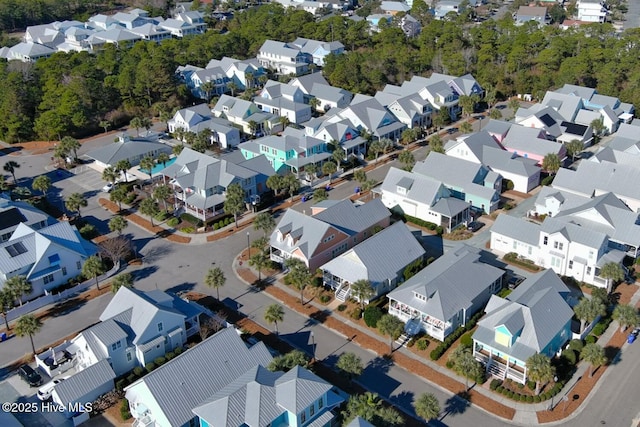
x=534, y=318
x=263, y=398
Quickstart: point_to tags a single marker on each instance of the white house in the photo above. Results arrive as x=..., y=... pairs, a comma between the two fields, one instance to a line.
x=200, y=118
x=48, y=257
x=136, y=328
x=246, y=114
x=131, y=149
x=592, y=10
x=15, y=212
x=283, y=100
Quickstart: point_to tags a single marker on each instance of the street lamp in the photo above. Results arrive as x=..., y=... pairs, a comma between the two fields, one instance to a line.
x=313, y=346
x=555, y=380
x=248, y=246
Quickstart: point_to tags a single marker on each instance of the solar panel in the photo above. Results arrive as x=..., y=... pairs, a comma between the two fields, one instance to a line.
x=16, y=249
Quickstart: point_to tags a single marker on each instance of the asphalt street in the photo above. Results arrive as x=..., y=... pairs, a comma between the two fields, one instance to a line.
x=177, y=267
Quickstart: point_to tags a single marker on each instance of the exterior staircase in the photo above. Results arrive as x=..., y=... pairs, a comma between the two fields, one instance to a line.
x=496, y=370
x=403, y=340
x=343, y=293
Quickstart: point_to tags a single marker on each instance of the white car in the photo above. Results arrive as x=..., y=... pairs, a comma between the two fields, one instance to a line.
x=107, y=188
x=44, y=392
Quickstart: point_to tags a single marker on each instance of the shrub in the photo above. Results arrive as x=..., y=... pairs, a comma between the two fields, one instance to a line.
x=325, y=298
x=186, y=217
x=356, y=313
x=341, y=307
x=545, y=396
x=170, y=355
x=88, y=231
x=439, y=230
x=160, y=361
x=598, y=329
x=570, y=356
x=372, y=315
x=412, y=342
x=547, y=180
x=173, y=222
x=510, y=394
x=138, y=371
x=188, y=230
x=131, y=378
x=466, y=340
x=216, y=226
x=124, y=409
x=161, y=216
x=531, y=385
x=121, y=384
x=436, y=353
x=520, y=386
x=591, y=339
x=576, y=345
x=422, y=344
x=495, y=383
x=500, y=388
x=522, y=397
x=449, y=364
x=150, y=366
x=177, y=350
x=535, y=399
x=130, y=198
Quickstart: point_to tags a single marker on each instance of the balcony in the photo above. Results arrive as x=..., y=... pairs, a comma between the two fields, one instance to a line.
x=144, y=421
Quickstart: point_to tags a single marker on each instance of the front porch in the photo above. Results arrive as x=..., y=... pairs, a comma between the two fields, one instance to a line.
x=433, y=327
x=499, y=367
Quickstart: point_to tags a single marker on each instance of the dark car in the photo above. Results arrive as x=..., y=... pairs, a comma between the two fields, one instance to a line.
x=451, y=131
x=514, y=281
x=30, y=376
x=474, y=226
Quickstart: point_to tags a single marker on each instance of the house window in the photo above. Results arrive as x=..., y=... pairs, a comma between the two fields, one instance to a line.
x=64, y=271
x=588, y=270
x=545, y=240
x=48, y=278
x=590, y=254
x=570, y=264
x=515, y=245
x=160, y=327
x=303, y=417
x=128, y=357
x=557, y=245
x=79, y=265
x=320, y=403
x=116, y=345
x=312, y=410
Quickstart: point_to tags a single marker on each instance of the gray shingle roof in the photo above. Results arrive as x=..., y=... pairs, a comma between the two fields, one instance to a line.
x=189, y=379
x=77, y=386
x=112, y=153
x=381, y=257
x=536, y=315
x=517, y=228
x=450, y=284
x=523, y=139
x=307, y=233
x=352, y=218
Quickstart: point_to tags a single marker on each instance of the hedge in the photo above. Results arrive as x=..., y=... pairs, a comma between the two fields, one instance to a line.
x=422, y=223
x=372, y=315
x=187, y=217
x=124, y=410
x=173, y=222
x=495, y=383
x=437, y=352
x=422, y=344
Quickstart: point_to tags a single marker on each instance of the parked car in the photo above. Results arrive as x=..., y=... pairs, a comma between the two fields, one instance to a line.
x=107, y=188
x=514, y=281
x=30, y=376
x=474, y=226
x=44, y=392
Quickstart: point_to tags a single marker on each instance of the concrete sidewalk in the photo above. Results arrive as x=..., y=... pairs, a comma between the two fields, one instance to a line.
x=525, y=412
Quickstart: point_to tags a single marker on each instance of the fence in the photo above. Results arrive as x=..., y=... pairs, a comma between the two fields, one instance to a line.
x=45, y=300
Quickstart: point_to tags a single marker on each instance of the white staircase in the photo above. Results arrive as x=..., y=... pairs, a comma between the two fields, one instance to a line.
x=403, y=340
x=343, y=293
x=496, y=370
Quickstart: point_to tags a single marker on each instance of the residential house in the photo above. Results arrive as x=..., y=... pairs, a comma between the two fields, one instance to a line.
x=283, y=100
x=185, y=24
x=410, y=26
x=444, y=7
x=318, y=238
x=394, y=7
x=531, y=143
x=471, y=182
x=532, y=13
x=626, y=139
x=291, y=151
x=131, y=149
x=482, y=148
x=136, y=328
x=246, y=115
x=29, y=52
x=541, y=117
x=367, y=113
x=316, y=51
x=295, y=398
x=101, y=22
x=130, y=20
x=422, y=197
x=199, y=118
x=315, y=86
x=282, y=58
x=592, y=10
x=375, y=19
x=342, y=132
x=566, y=104
x=244, y=73
x=412, y=110
x=48, y=256
x=200, y=181
x=592, y=100
x=166, y=396
x=16, y=212
x=117, y=36
x=498, y=129
x=381, y=260
x=444, y=295
x=533, y=319
x=83, y=388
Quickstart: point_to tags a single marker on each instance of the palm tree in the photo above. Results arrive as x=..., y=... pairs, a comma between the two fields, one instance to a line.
x=551, y=163
x=338, y=156
x=329, y=168
x=574, y=147
x=18, y=286
x=539, y=369
x=41, y=183
x=514, y=104
x=110, y=174
x=392, y=326
x=105, y=125
x=626, y=315
x=407, y=159
x=314, y=103
x=234, y=202
x=311, y=170
x=136, y=123
x=284, y=121
x=150, y=208
x=249, y=79
x=465, y=364
x=299, y=275
x=369, y=407
x=177, y=149
x=4, y=186
x=274, y=314
x=76, y=202
x=124, y=279
x=71, y=144
x=594, y=355
x=264, y=222
x=161, y=193
x=28, y=325
x=92, y=268
x=495, y=114
x=118, y=195
x=292, y=184
x=147, y=163
x=232, y=87
x=466, y=103
x=11, y=167
x=118, y=224
x=123, y=166
x=612, y=271
x=215, y=279
x=588, y=309
x=466, y=128
x=163, y=158
x=207, y=88
x=6, y=304
x=376, y=147
x=427, y=406
x=362, y=291
x=259, y=261
x=350, y=364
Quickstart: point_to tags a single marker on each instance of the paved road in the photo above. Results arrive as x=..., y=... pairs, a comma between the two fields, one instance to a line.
x=632, y=17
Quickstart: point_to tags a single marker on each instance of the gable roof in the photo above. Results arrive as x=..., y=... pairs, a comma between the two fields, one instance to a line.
x=590, y=177
x=78, y=385
x=379, y=258
x=352, y=218
x=517, y=228
x=417, y=187
x=189, y=379
x=450, y=283
x=112, y=153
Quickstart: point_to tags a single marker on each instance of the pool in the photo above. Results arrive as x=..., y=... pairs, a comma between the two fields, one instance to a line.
x=159, y=166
